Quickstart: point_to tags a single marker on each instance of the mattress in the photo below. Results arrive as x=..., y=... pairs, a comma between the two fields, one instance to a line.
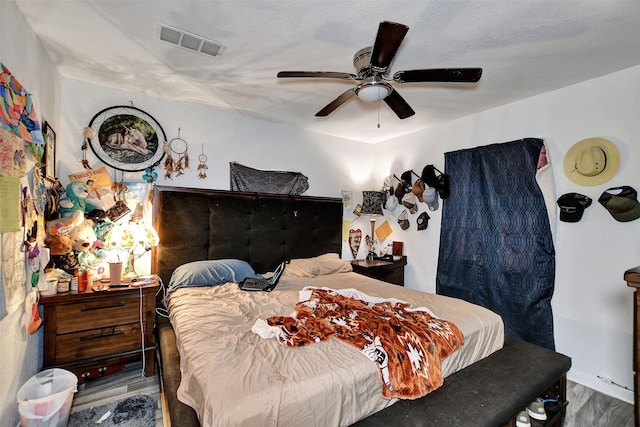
x=232, y=377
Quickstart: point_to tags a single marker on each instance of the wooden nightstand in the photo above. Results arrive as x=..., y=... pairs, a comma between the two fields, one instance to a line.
x=86, y=332
x=388, y=271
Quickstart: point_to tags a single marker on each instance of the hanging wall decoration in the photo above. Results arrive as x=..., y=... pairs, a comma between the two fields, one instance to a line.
x=202, y=167
x=177, y=159
x=126, y=138
x=150, y=175
x=355, y=237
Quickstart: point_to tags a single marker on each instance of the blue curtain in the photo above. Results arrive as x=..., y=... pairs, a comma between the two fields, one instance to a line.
x=496, y=248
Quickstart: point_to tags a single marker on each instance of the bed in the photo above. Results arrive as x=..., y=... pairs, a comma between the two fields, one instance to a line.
x=232, y=376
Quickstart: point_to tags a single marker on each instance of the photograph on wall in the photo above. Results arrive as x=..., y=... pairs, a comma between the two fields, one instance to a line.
x=136, y=190
x=346, y=198
x=49, y=157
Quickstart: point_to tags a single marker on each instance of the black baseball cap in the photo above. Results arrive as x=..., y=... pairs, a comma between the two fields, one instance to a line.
x=423, y=221
x=572, y=206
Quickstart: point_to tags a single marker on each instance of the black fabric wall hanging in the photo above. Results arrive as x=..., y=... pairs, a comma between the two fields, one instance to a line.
x=244, y=178
x=496, y=246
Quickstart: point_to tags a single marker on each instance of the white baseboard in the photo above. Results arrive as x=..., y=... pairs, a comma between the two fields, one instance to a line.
x=598, y=384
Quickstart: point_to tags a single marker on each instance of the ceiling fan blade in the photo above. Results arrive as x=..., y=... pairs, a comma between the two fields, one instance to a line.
x=337, y=102
x=462, y=75
x=390, y=35
x=399, y=105
x=320, y=74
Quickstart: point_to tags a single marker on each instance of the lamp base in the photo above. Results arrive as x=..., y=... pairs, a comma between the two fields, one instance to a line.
x=372, y=256
x=130, y=271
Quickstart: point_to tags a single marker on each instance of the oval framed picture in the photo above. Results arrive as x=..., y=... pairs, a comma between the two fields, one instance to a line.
x=127, y=138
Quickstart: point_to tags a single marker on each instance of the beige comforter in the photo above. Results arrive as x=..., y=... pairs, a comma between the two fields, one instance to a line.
x=232, y=377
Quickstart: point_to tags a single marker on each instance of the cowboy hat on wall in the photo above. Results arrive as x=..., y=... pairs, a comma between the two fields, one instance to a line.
x=592, y=161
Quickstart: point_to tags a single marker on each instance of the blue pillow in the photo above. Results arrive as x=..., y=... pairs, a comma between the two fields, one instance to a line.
x=210, y=273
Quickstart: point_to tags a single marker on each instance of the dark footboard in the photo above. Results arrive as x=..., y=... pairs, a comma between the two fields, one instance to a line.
x=180, y=415
x=489, y=393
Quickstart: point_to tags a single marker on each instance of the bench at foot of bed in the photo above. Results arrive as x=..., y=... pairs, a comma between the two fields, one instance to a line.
x=490, y=392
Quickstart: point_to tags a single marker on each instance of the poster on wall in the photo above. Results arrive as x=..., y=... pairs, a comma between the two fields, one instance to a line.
x=10, y=206
x=18, y=114
x=20, y=220
x=13, y=158
x=13, y=270
x=98, y=184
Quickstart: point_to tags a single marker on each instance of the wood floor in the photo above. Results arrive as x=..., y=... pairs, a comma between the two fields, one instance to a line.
x=590, y=408
x=587, y=408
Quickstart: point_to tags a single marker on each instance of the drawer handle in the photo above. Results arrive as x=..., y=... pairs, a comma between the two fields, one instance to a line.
x=104, y=333
x=120, y=304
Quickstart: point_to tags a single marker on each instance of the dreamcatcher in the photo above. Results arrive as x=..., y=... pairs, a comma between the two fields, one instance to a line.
x=202, y=167
x=124, y=137
x=177, y=159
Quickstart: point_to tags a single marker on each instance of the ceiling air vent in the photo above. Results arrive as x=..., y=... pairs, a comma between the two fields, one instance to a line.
x=187, y=40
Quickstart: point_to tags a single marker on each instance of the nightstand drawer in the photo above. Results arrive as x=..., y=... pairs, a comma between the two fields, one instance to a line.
x=97, y=342
x=93, y=330
x=97, y=314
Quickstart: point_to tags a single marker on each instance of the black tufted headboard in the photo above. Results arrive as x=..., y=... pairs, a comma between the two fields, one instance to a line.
x=262, y=229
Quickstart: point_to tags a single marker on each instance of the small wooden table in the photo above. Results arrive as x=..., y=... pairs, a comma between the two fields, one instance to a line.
x=87, y=332
x=387, y=271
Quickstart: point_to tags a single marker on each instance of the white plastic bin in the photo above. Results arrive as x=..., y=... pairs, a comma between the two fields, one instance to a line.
x=45, y=399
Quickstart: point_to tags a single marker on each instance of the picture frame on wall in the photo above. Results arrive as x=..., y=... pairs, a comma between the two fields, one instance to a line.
x=49, y=157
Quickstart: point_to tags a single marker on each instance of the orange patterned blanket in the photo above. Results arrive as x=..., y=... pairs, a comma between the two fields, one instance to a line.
x=406, y=344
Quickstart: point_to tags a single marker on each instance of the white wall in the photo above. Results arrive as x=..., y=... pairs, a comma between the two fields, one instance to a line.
x=592, y=305
x=23, y=54
x=330, y=163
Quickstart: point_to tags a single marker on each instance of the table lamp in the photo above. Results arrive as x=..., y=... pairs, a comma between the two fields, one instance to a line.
x=136, y=237
x=372, y=205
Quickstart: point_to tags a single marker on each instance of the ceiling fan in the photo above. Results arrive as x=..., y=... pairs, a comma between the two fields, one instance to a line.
x=372, y=68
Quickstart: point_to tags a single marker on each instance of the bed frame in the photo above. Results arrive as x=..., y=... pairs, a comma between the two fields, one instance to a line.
x=264, y=229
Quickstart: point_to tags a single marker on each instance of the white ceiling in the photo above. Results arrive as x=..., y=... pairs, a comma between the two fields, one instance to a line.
x=525, y=47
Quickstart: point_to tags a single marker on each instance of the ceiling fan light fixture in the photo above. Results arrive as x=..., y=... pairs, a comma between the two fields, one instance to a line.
x=373, y=92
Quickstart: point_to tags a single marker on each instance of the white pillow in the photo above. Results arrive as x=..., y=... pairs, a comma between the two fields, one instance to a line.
x=317, y=266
